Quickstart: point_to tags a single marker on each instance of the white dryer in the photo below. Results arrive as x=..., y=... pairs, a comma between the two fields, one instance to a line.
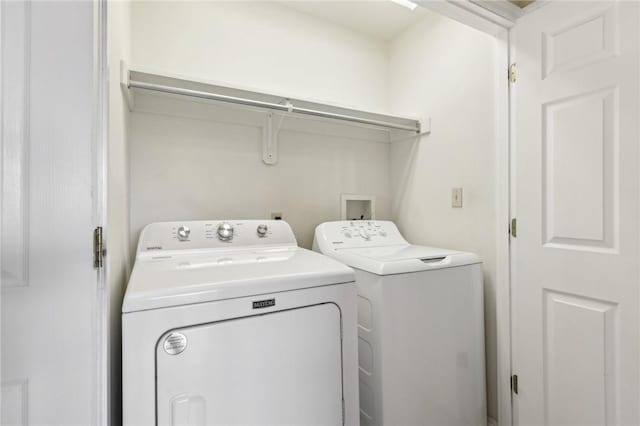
x=420, y=326
x=230, y=323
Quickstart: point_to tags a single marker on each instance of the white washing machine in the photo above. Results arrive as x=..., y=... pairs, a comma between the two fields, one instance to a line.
x=230, y=323
x=420, y=326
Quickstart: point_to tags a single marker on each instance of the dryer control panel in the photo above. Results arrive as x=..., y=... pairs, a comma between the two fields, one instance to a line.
x=168, y=237
x=357, y=233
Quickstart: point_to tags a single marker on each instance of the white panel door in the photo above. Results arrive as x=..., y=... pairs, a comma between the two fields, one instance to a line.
x=282, y=368
x=575, y=271
x=49, y=286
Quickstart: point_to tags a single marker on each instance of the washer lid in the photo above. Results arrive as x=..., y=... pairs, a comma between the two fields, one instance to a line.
x=403, y=258
x=401, y=252
x=161, y=282
x=378, y=247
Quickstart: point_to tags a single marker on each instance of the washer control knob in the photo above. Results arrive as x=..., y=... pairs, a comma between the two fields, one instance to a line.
x=225, y=231
x=183, y=233
x=262, y=230
x=364, y=234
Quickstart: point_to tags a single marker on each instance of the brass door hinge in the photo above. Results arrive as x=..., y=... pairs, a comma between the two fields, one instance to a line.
x=512, y=73
x=514, y=383
x=513, y=229
x=98, y=249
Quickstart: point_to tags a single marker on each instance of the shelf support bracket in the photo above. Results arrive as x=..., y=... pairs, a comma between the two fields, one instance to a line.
x=269, y=141
x=124, y=84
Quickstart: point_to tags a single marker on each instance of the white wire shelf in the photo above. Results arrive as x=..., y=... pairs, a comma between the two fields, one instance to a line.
x=135, y=81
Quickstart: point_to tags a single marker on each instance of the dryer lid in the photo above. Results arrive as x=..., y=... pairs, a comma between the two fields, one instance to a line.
x=189, y=272
x=160, y=283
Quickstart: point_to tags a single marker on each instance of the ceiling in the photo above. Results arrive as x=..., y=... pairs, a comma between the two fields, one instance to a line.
x=381, y=19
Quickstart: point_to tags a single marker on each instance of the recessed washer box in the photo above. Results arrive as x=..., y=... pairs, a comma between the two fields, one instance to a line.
x=357, y=207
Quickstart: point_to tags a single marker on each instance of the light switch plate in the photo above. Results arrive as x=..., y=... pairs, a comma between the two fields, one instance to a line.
x=456, y=198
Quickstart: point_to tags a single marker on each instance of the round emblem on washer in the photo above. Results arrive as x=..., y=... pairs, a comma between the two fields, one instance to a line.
x=175, y=343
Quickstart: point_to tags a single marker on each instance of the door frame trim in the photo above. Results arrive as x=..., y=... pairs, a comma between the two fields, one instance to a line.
x=503, y=235
x=474, y=15
x=99, y=146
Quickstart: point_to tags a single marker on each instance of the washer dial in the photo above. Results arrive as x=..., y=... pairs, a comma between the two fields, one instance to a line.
x=183, y=233
x=262, y=230
x=225, y=231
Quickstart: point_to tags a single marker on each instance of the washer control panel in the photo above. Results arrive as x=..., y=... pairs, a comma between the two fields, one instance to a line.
x=359, y=233
x=363, y=229
x=162, y=237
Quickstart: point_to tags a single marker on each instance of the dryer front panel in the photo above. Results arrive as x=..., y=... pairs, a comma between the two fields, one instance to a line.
x=279, y=368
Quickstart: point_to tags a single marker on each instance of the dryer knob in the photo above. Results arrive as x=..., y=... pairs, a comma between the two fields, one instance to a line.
x=225, y=231
x=183, y=233
x=262, y=230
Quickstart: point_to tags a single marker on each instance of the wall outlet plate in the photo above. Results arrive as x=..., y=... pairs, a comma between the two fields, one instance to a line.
x=456, y=198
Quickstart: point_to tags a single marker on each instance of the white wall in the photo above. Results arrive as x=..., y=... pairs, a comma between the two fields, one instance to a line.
x=445, y=70
x=211, y=167
x=117, y=232
x=261, y=45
